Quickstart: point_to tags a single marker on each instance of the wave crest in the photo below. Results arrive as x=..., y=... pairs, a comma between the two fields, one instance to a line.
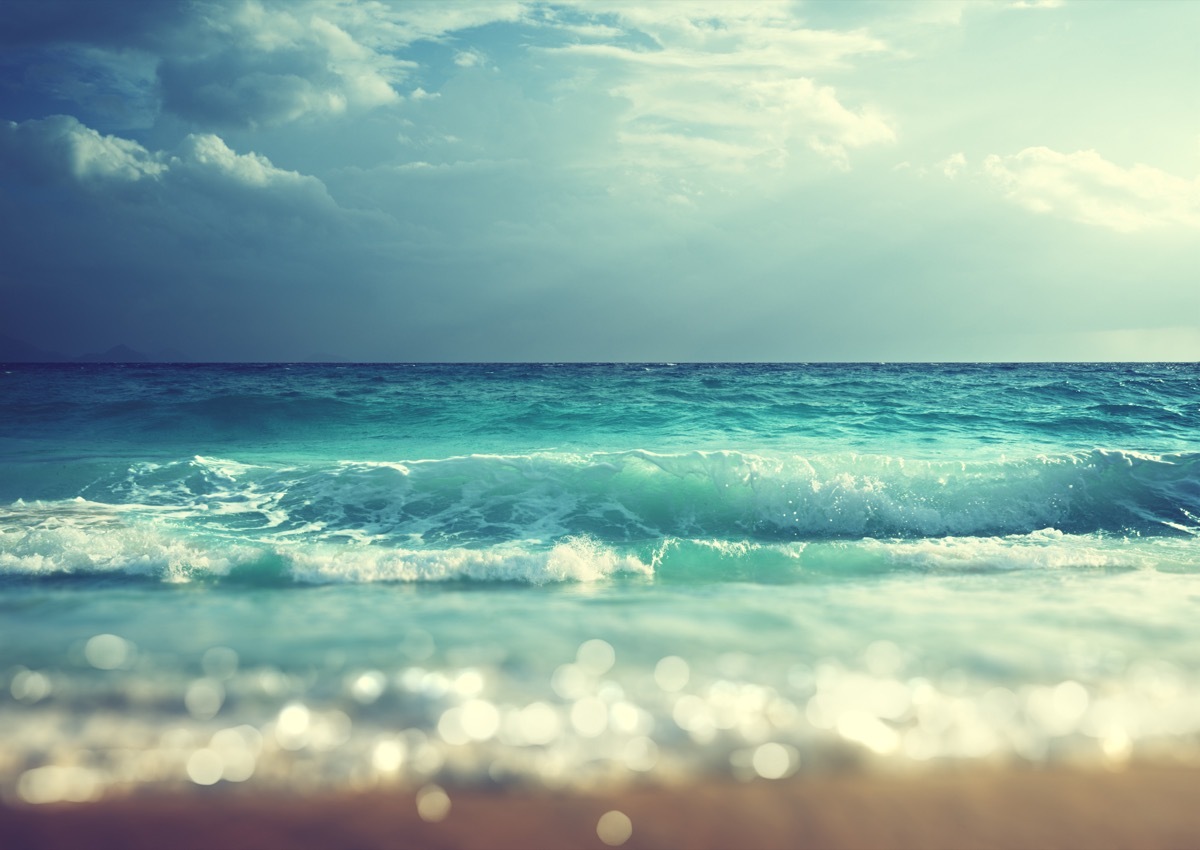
x=632, y=496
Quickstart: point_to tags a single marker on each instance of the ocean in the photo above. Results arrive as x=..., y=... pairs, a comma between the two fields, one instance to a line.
x=309, y=577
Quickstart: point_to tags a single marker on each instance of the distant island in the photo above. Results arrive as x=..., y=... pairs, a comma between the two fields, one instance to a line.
x=13, y=350
x=116, y=354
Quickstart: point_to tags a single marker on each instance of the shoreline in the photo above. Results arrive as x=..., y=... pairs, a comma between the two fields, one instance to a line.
x=1145, y=806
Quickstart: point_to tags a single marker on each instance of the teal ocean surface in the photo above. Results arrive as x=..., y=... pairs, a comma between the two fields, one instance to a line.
x=324, y=576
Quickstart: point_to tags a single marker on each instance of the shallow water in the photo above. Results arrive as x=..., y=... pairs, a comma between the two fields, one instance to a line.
x=315, y=576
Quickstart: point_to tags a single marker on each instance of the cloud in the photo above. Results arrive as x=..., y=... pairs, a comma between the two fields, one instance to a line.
x=1036, y=4
x=953, y=165
x=392, y=25
x=60, y=147
x=113, y=22
x=469, y=58
x=265, y=65
x=1085, y=187
x=92, y=59
x=208, y=164
x=708, y=85
x=201, y=247
x=724, y=86
x=214, y=63
x=731, y=86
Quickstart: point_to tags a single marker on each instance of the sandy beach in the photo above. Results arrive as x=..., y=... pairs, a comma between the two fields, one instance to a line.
x=1142, y=807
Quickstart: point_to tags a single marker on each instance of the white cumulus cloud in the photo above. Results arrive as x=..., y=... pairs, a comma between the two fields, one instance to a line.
x=60, y=146
x=208, y=152
x=1085, y=187
x=726, y=85
x=271, y=64
x=953, y=165
x=60, y=149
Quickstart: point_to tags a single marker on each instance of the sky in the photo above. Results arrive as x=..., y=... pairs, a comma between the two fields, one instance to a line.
x=602, y=180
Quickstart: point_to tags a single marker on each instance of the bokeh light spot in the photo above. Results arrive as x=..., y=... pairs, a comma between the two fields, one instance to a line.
x=614, y=828
x=433, y=803
x=108, y=652
x=672, y=673
x=772, y=761
x=204, y=698
x=596, y=656
x=205, y=766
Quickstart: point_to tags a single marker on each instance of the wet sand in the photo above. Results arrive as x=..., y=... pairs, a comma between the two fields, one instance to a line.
x=1142, y=807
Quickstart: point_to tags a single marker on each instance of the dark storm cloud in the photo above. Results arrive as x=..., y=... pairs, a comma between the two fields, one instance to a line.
x=213, y=64
x=231, y=88
x=201, y=248
x=26, y=23
x=95, y=60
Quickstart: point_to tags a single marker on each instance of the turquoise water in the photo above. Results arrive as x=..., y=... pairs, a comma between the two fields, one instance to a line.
x=346, y=576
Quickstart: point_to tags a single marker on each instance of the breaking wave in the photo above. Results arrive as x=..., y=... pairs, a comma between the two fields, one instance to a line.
x=633, y=496
x=548, y=518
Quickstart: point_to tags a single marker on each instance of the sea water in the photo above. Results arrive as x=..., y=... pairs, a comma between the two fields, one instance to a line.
x=302, y=577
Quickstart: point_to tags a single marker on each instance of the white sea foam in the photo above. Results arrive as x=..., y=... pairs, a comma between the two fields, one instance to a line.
x=1046, y=548
x=583, y=517
x=77, y=537
x=82, y=537
x=577, y=559
x=633, y=495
